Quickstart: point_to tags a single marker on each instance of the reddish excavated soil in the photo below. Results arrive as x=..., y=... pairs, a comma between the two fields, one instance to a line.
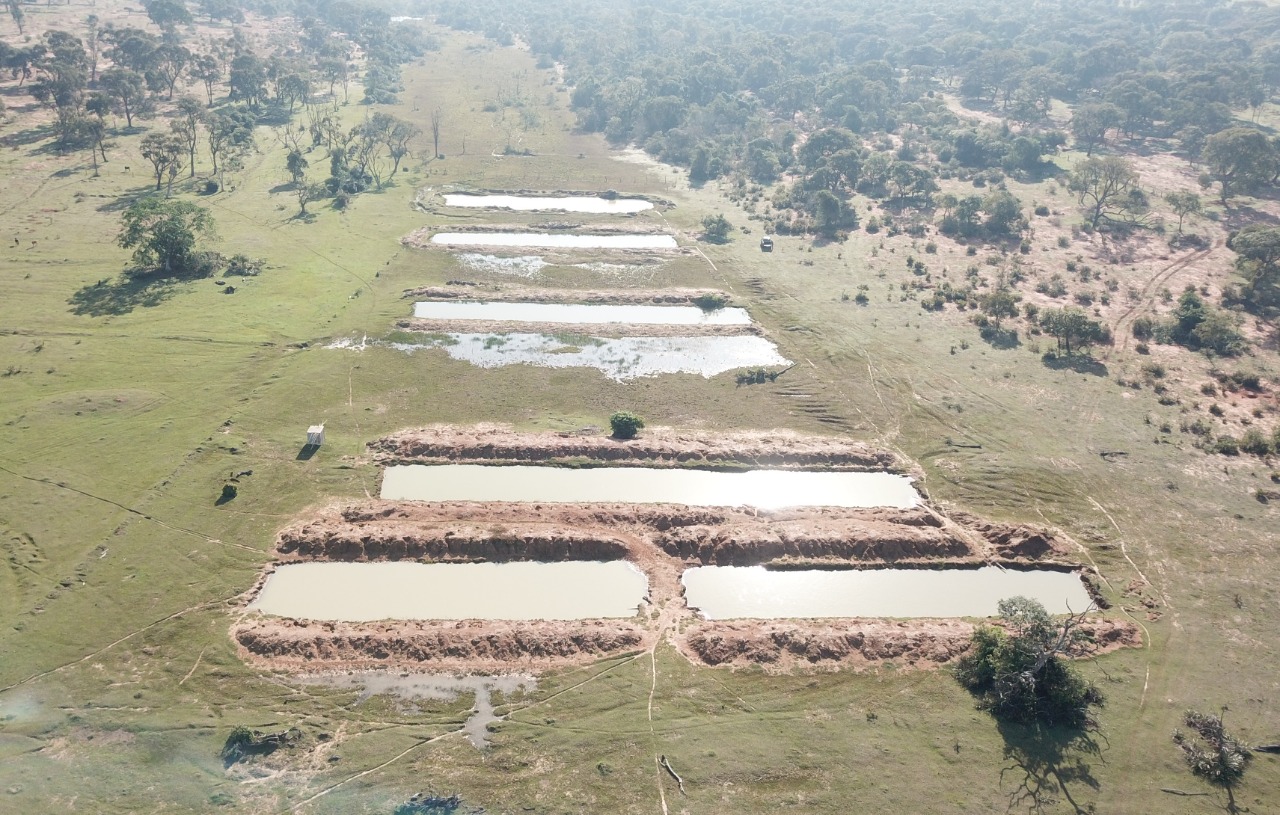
x=435, y=326
x=655, y=447
x=662, y=540
x=467, y=645
x=456, y=531
x=790, y=645
x=503, y=293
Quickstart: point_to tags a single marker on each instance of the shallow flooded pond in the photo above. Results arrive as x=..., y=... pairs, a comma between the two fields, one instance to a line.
x=411, y=688
x=729, y=592
x=563, y=203
x=570, y=313
x=765, y=489
x=618, y=358
x=362, y=592
x=546, y=240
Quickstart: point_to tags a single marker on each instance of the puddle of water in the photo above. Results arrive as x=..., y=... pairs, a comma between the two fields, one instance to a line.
x=430, y=687
x=402, y=590
x=569, y=313
x=619, y=358
x=521, y=266
x=765, y=489
x=729, y=592
x=573, y=203
x=546, y=240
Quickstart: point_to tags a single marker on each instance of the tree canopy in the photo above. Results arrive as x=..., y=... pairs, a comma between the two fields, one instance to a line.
x=1019, y=671
x=163, y=235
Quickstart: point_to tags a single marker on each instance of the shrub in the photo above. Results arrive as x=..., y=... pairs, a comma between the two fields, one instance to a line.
x=711, y=301
x=1143, y=328
x=1042, y=211
x=1227, y=446
x=1255, y=443
x=625, y=425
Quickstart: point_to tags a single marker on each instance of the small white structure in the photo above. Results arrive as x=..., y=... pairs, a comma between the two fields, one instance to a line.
x=315, y=435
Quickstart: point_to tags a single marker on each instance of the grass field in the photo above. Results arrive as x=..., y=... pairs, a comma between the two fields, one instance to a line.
x=123, y=412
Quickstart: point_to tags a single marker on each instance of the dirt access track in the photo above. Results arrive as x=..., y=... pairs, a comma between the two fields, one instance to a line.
x=662, y=540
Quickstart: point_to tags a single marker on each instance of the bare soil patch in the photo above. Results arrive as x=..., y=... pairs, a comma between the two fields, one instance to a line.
x=791, y=646
x=466, y=645
x=656, y=447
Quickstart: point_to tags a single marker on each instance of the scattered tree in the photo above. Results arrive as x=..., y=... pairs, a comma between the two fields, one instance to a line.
x=999, y=305
x=716, y=228
x=1020, y=671
x=1212, y=753
x=1072, y=328
x=186, y=126
x=1239, y=158
x=437, y=119
x=164, y=151
x=1258, y=261
x=163, y=235
x=1183, y=203
x=1107, y=189
x=126, y=90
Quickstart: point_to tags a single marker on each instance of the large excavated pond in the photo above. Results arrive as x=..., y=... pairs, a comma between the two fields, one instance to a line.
x=363, y=592
x=546, y=240
x=566, y=203
x=764, y=489
x=618, y=358
x=575, y=313
x=730, y=592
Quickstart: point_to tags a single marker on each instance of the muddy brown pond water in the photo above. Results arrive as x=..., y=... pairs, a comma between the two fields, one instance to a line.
x=753, y=592
x=405, y=590
x=763, y=489
x=576, y=313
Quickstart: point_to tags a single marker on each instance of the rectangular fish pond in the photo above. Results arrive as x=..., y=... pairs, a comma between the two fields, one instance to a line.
x=571, y=313
x=619, y=358
x=546, y=240
x=764, y=489
x=401, y=590
x=754, y=592
x=561, y=203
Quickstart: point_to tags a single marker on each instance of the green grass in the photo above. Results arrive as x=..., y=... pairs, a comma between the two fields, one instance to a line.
x=122, y=422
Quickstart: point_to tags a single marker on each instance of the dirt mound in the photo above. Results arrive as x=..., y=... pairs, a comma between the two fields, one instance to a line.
x=639, y=532
x=1016, y=541
x=846, y=539
x=522, y=294
x=469, y=644
x=656, y=447
x=445, y=542
x=787, y=644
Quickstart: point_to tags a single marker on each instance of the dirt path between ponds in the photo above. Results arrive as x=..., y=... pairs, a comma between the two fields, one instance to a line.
x=655, y=447
x=500, y=293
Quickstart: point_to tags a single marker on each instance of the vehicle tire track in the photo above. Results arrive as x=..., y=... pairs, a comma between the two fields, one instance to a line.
x=1144, y=302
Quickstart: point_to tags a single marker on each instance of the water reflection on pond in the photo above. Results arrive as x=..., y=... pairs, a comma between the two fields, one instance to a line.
x=362, y=592
x=546, y=240
x=619, y=358
x=579, y=313
x=566, y=203
x=728, y=592
x=765, y=489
